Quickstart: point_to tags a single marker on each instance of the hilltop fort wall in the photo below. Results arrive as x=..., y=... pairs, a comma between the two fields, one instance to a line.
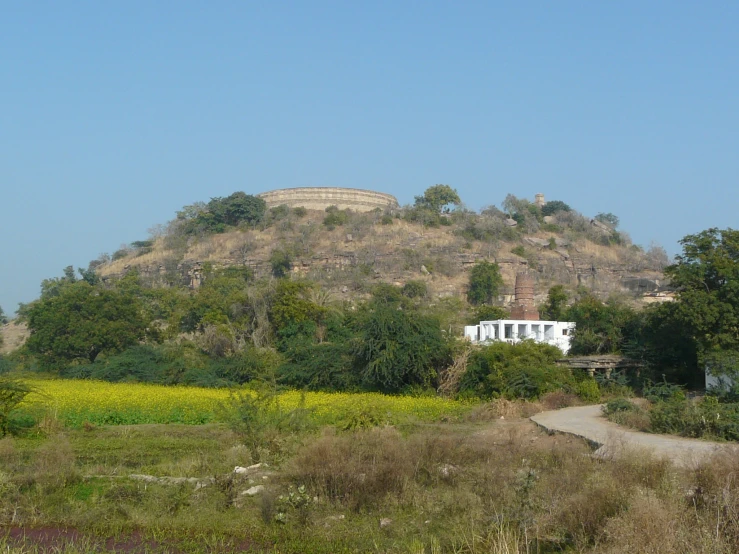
x=320, y=198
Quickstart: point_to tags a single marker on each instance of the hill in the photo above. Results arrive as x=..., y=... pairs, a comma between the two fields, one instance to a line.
x=345, y=250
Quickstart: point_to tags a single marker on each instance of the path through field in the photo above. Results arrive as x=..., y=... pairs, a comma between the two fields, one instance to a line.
x=588, y=422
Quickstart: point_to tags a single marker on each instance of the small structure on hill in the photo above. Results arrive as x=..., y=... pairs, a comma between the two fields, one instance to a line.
x=524, y=323
x=320, y=198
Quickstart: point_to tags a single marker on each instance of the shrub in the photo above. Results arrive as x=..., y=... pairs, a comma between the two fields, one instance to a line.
x=588, y=390
x=524, y=370
x=281, y=262
x=279, y=212
x=618, y=405
x=118, y=254
x=6, y=365
x=260, y=419
x=12, y=393
x=415, y=289
x=300, y=211
x=335, y=217
x=359, y=469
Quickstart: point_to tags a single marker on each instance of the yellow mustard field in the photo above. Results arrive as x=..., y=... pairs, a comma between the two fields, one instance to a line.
x=78, y=401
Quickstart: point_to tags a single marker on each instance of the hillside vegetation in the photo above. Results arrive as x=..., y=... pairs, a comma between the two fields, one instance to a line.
x=231, y=292
x=346, y=252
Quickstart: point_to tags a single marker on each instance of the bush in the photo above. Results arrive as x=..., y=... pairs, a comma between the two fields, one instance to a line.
x=259, y=419
x=6, y=365
x=524, y=370
x=281, y=262
x=12, y=393
x=335, y=217
x=359, y=469
x=588, y=390
x=415, y=289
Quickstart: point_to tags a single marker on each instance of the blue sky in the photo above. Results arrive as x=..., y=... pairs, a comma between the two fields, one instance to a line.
x=115, y=114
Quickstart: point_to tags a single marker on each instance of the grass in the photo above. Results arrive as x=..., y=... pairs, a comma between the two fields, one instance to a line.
x=79, y=402
x=458, y=487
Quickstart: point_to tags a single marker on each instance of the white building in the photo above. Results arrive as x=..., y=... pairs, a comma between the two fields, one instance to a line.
x=556, y=333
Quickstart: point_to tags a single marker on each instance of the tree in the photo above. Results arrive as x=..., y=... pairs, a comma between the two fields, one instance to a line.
x=485, y=280
x=3, y=318
x=242, y=207
x=489, y=313
x=281, y=262
x=291, y=304
x=82, y=322
x=554, y=206
x=398, y=348
x=438, y=198
x=52, y=287
x=706, y=276
x=524, y=370
x=601, y=328
x=608, y=218
x=554, y=308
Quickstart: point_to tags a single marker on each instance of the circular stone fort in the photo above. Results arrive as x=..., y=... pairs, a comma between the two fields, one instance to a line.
x=320, y=198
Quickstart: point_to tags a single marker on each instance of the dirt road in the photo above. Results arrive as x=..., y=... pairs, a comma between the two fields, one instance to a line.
x=610, y=439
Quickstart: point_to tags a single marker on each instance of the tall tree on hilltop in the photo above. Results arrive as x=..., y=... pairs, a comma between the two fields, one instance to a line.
x=438, y=198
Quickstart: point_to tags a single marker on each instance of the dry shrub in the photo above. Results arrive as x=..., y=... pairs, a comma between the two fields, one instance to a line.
x=637, y=419
x=50, y=424
x=359, y=469
x=638, y=467
x=507, y=409
x=54, y=463
x=651, y=526
x=582, y=514
x=8, y=453
x=559, y=399
x=715, y=490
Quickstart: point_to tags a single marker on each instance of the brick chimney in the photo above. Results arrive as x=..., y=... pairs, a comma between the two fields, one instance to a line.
x=524, y=307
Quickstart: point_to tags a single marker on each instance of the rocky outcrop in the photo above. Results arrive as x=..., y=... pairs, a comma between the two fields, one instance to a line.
x=14, y=335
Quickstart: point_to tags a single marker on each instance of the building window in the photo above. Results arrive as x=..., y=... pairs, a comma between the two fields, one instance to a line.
x=509, y=331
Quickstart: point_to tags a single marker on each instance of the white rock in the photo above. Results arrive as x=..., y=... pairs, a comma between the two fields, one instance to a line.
x=253, y=491
x=385, y=522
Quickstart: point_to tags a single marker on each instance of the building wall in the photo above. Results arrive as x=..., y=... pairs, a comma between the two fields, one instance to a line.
x=556, y=333
x=320, y=198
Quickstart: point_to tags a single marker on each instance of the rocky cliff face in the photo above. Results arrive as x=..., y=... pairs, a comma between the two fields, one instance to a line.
x=14, y=335
x=344, y=257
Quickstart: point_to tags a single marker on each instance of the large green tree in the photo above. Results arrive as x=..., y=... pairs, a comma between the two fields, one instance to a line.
x=706, y=276
x=396, y=348
x=485, y=280
x=81, y=322
x=601, y=327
